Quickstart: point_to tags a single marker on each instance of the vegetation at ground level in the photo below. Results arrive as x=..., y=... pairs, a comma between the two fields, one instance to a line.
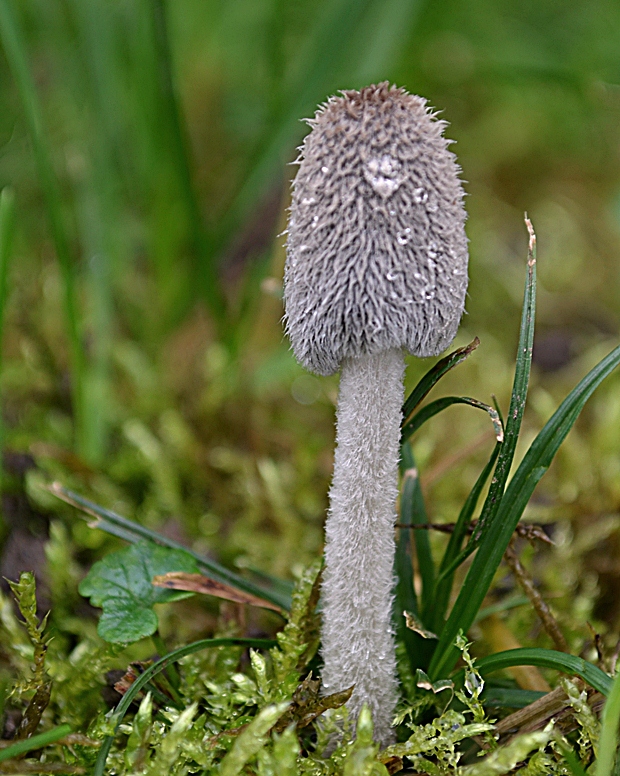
x=143, y=169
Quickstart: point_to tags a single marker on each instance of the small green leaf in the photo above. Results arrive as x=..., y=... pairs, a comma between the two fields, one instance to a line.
x=121, y=585
x=133, y=532
x=151, y=672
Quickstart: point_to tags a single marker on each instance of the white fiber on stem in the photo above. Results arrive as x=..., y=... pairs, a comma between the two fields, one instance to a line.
x=357, y=634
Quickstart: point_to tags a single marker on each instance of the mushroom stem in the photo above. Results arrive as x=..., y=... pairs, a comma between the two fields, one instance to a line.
x=357, y=634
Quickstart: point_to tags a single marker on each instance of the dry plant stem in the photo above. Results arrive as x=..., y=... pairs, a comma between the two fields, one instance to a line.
x=535, y=716
x=542, y=609
x=524, y=530
x=357, y=637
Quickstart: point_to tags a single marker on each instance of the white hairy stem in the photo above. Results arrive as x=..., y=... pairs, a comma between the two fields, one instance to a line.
x=357, y=634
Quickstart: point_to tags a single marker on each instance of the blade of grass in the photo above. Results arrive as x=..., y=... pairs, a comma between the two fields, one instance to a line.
x=506, y=454
x=405, y=591
x=35, y=742
x=7, y=225
x=504, y=460
x=206, y=271
x=406, y=599
x=608, y=742
x=571, y=758
x=156, y=668
x=493, y=545
x=435, y=374
x=414, y=512
x=437, y=406
x=132, y=532
x=94, y=78
x=518, y=397
x=283, y=587
x=543, y=658
x=445, y=581
x=15, y=49
x=502, y=606
x=509, y=698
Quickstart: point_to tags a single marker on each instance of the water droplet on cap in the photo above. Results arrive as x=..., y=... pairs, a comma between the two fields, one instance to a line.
x=383, y=175
x=402, y=238
x=420, y=196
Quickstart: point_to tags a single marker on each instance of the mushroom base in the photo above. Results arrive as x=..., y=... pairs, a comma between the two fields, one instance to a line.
x=357, y=633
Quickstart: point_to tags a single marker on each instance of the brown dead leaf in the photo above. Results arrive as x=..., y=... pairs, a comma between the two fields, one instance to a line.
x=307, y=704
x=393, y=764
x=198, y=583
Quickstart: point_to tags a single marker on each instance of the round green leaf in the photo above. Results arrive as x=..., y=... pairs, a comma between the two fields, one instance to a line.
x=121, y=585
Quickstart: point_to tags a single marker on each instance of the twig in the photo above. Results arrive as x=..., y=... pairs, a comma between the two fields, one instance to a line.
x=549, y=622
x=524, y=530
x=535, y=716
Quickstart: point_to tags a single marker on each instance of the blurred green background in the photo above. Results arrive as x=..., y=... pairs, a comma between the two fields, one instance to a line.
x=148, y=147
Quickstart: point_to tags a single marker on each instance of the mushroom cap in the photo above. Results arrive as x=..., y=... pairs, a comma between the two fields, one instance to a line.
x=376, y=248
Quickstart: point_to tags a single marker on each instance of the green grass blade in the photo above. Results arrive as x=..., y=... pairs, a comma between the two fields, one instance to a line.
x=610, y=737
x=493, y=545
x=17, y=58
x=7, y=227
x=156, y=668
x=437, y=406
x=462, y=612
x=515, y=416
x=446, y=570
x=133, y=532
x=544, y=658
x=406, y=599
x=432, y=377
x=310, y=80
x=501, y=606
x=518, y=398
x=570, y=757
x=35, y=742
x=405, y=591
x=414, y=512
x=509, y=698
x=283, y=587
x=206, y=270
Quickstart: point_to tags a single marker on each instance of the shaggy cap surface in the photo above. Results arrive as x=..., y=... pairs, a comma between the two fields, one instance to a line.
x=376, y=249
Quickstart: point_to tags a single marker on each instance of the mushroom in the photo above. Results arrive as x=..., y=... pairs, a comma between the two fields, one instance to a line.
x=376, y=265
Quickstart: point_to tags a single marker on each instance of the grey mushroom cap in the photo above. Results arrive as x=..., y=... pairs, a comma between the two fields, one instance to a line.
x=376, y=248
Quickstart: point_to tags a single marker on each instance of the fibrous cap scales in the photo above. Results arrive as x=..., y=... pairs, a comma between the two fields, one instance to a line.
x=376, y=249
